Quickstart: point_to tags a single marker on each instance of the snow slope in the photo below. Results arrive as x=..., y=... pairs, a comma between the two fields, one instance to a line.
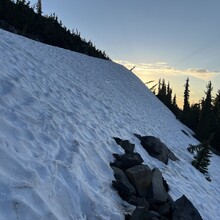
x=58, y=113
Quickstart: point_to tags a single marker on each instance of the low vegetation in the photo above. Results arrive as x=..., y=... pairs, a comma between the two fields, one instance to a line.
x=28, y=20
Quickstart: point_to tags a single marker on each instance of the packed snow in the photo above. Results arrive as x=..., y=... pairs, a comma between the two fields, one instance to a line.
x=58, y=113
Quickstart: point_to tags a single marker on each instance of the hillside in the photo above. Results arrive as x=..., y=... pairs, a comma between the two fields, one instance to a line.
x=20, y=18
x=58, y=113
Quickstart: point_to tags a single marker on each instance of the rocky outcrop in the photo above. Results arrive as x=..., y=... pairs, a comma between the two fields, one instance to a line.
x=183, y=209
x=157, y=191
x=156, y=148
x=140, y=213
x=125, y=144
x=126, y=160
x=122, y=184
x=141, y=177
x=147, y=190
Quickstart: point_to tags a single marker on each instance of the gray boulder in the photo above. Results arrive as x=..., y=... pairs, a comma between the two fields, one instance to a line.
x=126, y=161
x=122, y=184
x=183, y=209
x=165, y=209
x=138, y=201
x=157, y=192
x=125, y=144
x=157, y=149
x=140, y=213
x=140, y=176
x=152, y=215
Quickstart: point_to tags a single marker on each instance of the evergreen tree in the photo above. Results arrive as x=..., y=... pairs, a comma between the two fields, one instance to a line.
x=19, y=17
x=163, y=90
x=174, y=107
x=201, y=160
x=206, y=115
x=185, y=117
x=169, y=96
x=216, y=125
x=159, y=90
x=39, y=7
x=194, y=116
x=165, y=95
x=186, y=105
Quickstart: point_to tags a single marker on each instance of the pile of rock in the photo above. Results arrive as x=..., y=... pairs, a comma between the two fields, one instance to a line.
x=146, y=189
x=156, y=148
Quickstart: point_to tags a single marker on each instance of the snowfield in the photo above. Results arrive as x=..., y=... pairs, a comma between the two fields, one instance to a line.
x=58, y=113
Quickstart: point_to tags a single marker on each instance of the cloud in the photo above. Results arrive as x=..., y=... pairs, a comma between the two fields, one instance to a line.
x=165, y=70
x=203, y=74
x=198, y=70
x=198, y=77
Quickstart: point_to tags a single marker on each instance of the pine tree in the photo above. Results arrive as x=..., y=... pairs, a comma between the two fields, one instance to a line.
x=206, y=117
x=201, y=160
x=169, y=96
x=174, y=107
x=194, y=116
x=163, y=89
x=185, y=117
x=174, y=100
x=39, y=7
x=186, y=105
x=159, y=89
x=216, y=123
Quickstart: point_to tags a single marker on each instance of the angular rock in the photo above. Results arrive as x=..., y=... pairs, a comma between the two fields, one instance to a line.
x=152, y=215
x=140, y=213
x=183, y=209
x=138, y=201
x=170, y=200
x=140, y=176
x=166, y=186
x=157, y=149
x=171, y=155
x=128, y=147
x=165, y=209
x=118, y=140
x=125, y=144
x=122, y=184
x=157, y=192
x=126, y=161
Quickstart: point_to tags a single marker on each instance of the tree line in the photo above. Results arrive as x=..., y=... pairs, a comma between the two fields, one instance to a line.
x=30, y=22
x=202, y=117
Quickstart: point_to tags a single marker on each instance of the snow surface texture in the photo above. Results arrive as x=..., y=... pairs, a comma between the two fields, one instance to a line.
x=58, y=113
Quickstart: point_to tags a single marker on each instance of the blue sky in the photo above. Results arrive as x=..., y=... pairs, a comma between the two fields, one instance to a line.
x=182, y=36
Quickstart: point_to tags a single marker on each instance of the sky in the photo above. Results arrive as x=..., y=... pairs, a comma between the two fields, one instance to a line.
x=167, y=39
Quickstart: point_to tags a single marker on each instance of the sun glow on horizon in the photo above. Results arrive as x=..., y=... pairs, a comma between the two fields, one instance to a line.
x=161, y=70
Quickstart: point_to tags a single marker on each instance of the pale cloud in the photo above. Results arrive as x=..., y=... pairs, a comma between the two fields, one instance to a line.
x=199, y=70
x=163, y=68
x=203, y=74
x=198, y=77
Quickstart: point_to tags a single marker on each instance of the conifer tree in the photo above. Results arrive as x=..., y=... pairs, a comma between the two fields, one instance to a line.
x=39, y=7
x=169, y=96
x=174, y=100
x=163, y=89
x=194, y=116
x=206, y=116
x=185, y=118
x=186, y=105
x=201, y=160
x=216, y=124
x=174, y=107
x=159, y=90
